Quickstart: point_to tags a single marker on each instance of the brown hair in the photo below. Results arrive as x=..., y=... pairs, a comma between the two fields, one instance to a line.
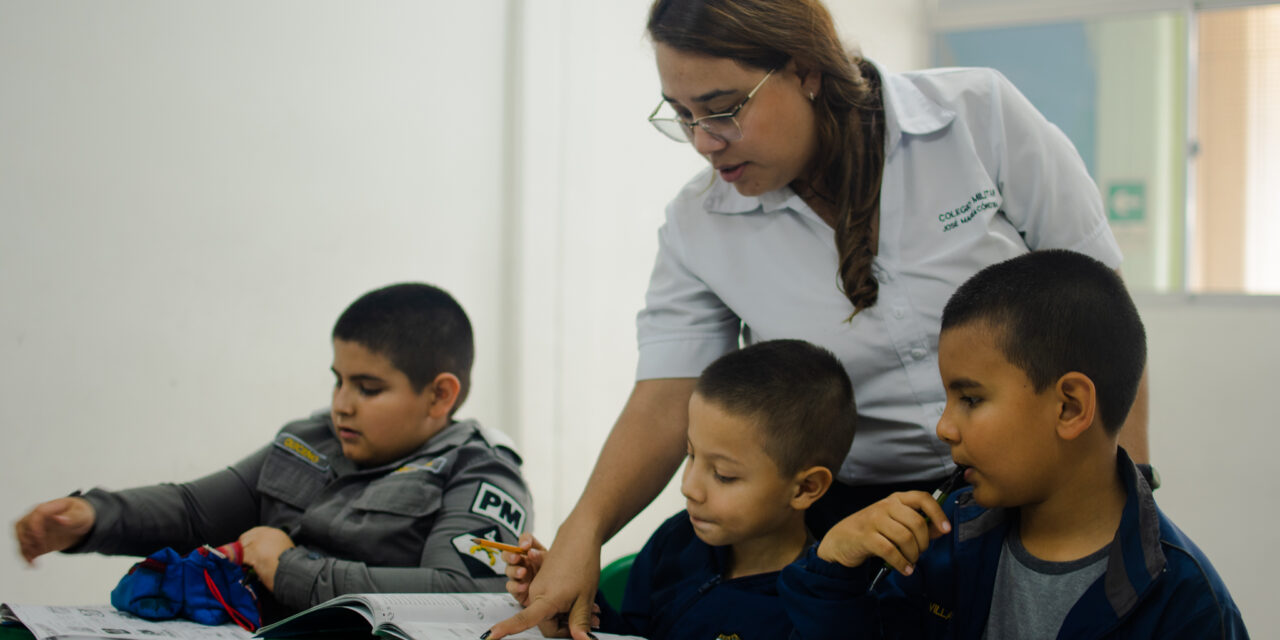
x=848, y=165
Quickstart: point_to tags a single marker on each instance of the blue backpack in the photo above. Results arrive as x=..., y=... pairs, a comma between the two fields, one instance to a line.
x=203, y=586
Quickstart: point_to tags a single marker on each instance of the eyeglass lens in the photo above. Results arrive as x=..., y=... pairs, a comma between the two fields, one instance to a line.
x=724, y=127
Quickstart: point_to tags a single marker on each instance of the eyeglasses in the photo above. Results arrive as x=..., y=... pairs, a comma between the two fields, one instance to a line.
x=722, y=126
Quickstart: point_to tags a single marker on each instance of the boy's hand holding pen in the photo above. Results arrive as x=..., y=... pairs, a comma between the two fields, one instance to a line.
x=523, y=562
x=897, y=529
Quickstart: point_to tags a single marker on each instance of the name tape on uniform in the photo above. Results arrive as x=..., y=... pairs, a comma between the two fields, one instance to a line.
x=302, y=451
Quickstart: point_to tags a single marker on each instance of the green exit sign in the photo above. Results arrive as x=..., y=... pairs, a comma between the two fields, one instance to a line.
x=1127, y=202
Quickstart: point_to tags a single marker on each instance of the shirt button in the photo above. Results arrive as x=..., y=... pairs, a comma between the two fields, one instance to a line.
x=898, y=312
x=918, y=353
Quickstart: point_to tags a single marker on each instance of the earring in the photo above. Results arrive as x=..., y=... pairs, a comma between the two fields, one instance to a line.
x=811, y=96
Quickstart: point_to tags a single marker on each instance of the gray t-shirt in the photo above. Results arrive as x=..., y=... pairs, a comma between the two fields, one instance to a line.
x=1032, y=596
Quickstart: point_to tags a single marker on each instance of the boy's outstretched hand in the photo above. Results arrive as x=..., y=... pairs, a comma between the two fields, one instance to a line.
x=53, y=526
x=262, y=549
x=897, y=529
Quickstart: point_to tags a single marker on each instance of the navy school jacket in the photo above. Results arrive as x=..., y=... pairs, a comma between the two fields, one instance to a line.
x=1157, y=583
x=675, y=592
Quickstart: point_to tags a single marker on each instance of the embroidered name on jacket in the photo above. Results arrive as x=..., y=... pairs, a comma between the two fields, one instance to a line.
x=937, y=610
x=496, y=504
x=302, y=450
x=979, y=202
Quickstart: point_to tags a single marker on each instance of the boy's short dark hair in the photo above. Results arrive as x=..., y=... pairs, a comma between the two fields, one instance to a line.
x=798, y=394
x=1058, y=311
x=421, y=329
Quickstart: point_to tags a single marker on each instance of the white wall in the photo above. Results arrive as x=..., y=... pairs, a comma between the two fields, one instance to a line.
x=1214, y=362
x=190, y=194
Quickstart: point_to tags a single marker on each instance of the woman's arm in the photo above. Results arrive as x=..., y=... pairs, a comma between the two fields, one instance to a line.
x=641, y=454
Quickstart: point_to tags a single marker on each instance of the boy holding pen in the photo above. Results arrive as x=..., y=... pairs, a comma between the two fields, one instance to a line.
x=382, y=492
x=1058, y=535
x=768, y=427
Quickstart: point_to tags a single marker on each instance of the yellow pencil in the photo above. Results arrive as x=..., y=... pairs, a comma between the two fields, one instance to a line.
x=499, y=546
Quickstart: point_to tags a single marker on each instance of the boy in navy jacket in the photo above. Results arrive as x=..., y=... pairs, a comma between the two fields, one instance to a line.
x=1059, y=535
x=768, y=426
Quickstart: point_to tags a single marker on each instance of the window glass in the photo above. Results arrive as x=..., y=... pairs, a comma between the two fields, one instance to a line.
x=1235, y=222
x=1117, y=87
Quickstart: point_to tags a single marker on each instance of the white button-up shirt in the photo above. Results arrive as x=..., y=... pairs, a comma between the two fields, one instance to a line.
x=973, y=175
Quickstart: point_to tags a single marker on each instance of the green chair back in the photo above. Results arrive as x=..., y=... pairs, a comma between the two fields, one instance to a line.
x=613, y=580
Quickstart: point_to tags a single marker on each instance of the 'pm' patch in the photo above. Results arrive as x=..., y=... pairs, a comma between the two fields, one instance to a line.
x=494, y=503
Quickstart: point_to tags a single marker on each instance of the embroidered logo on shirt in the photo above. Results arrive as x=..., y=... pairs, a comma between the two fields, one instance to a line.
x=302, y=450
x=481, y=562
x=980, y=201
x=492, y=502
x=937, y=610
x=435, y=465
x=728, y=636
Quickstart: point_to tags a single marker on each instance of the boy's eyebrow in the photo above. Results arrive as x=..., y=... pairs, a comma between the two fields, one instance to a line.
x=722, y=457
x=358, y=377
x=962, y=384
x=712, y=456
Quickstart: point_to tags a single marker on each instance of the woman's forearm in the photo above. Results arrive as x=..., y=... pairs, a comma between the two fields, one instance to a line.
x=643, y=451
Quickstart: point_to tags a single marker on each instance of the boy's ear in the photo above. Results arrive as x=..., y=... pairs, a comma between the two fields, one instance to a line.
x=444, y=390
x=810, y=485
x=1077, y=404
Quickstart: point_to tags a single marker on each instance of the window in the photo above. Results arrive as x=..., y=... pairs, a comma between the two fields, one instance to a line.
x=1176, y=114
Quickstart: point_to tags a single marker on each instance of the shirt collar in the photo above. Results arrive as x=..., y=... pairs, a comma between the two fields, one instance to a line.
x=907, y=110
x=1136, y=557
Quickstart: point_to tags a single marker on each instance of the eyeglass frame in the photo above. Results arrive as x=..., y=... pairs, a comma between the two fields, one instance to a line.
x=687, y=126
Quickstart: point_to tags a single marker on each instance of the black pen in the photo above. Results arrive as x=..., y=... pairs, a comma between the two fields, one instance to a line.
x=940, y=495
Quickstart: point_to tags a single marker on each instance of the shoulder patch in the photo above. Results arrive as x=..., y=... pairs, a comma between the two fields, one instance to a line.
x=302, y=450
x=496, y=504
x=434, y=465
x=481, y=562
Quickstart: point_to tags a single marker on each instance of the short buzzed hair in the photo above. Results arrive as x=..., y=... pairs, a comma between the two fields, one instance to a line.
x=797, y=393
x=1057, y=311
x=420, y=328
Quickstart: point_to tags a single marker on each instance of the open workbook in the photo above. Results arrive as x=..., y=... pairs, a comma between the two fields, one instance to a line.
x=410, y=616
x=105, y=621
